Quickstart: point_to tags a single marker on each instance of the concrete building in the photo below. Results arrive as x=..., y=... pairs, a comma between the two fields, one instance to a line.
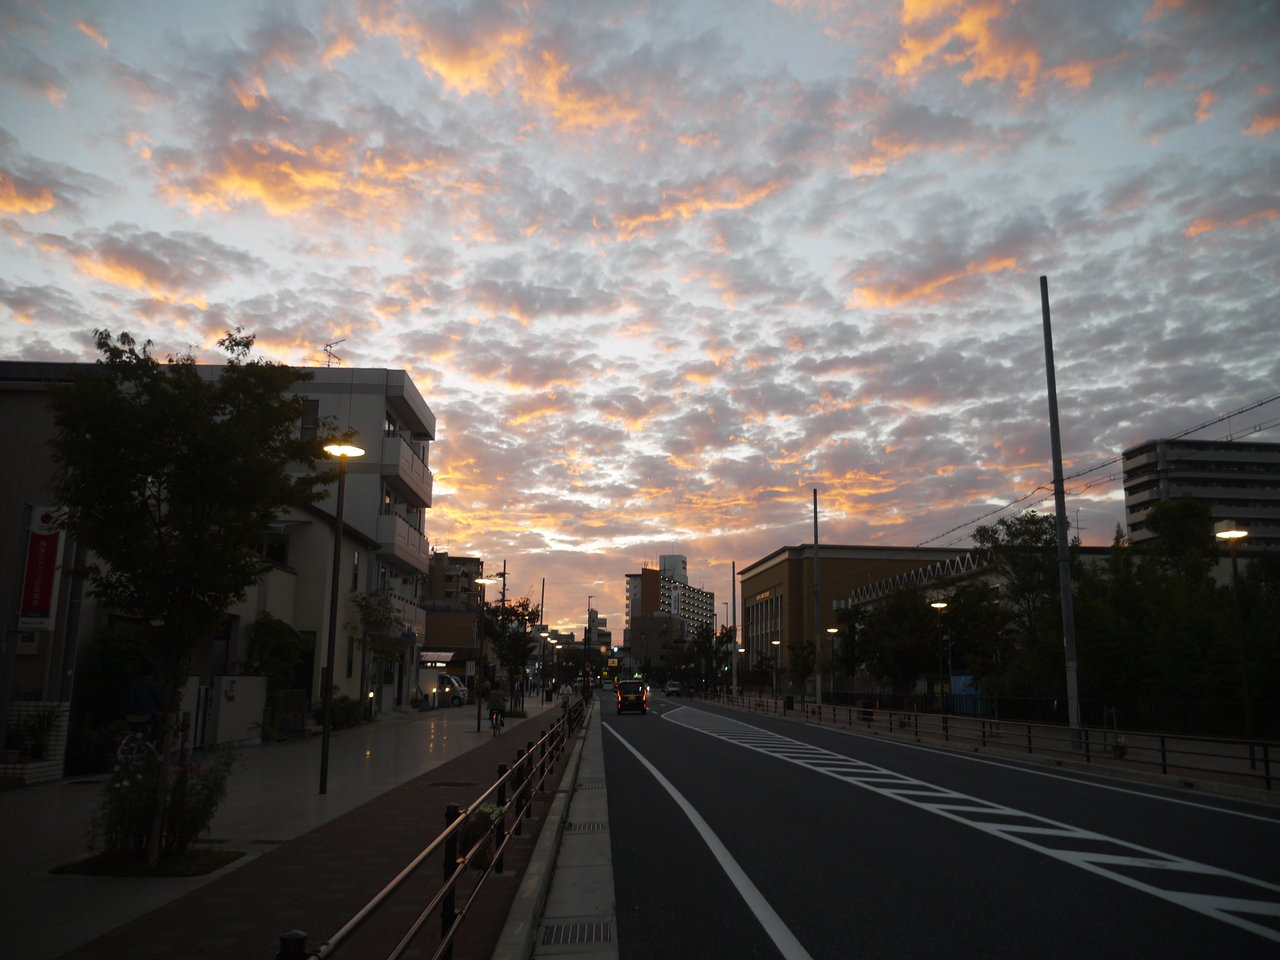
x=384, y=547
x=663, y=611
x=1239, y=480
x=778, y=596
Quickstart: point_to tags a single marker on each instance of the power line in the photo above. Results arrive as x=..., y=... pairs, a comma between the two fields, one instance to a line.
x=1048, y=487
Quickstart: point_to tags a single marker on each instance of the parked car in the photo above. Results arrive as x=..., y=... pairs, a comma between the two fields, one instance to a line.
x=632, y=695
x=452, y=691
x=672, y=689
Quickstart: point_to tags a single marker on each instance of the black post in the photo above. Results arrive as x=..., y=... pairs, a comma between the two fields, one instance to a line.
x=448, y=904
x=293, y=946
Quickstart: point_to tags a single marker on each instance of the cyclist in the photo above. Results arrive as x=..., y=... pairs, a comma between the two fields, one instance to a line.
x=497, y=709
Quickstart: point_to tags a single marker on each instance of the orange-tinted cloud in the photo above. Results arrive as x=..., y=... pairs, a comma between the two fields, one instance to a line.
x=728, y=193
x=1247, y=221
x=1266, y=117
x=929, y=290
x=94, y=33
x=961, y=32
x=1204, y=105
x=19, y=195
x=549, y=85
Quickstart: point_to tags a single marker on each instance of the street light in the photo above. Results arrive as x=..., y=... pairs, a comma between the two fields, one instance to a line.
x=1232, y=532
x=343, y=451
x=941, y=605
x=778, y=644
x=480, y=663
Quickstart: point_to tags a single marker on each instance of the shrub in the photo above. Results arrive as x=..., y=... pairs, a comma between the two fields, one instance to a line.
x=127, y=811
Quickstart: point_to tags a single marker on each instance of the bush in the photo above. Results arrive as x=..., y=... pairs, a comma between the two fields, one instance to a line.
x=127, y=811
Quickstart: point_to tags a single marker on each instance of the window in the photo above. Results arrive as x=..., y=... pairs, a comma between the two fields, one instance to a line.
x=351, y=655
x=310, y=417
x=355, y=571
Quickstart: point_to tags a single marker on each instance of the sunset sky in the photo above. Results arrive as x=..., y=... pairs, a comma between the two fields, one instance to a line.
x=663, y=268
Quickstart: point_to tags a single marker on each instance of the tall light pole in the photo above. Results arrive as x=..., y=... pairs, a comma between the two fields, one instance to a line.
x=940, y=605
x=817, y=611
x=342, y=451
x=1232, y=532
x=480, y=663
x=588, y=638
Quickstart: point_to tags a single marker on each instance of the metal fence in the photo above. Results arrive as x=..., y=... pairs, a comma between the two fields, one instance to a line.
x=475, y=838
x=1245, y=762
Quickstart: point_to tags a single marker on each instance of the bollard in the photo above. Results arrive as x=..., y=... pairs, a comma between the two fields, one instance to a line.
x=500, y=828
x=293, y=946
x=447, y=904
x=517, y=795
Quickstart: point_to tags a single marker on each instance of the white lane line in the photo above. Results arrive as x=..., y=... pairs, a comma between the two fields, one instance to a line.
x=1079, y=781
x=768, y=918
x=1175, y=871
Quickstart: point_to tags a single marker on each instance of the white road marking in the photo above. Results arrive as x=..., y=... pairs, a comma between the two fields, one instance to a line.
x=773, y=924
x=1174, y=874
x=1023, y=768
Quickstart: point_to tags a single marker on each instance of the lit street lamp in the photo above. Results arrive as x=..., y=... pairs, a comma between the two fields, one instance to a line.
x=342, y=451
x=941, y=605
x=480, y=663
x=1232, y=532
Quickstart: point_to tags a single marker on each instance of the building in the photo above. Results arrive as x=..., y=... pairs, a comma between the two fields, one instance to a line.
x=384, y=548
x=1239, y=480
x=778, y=596
x=655, y=598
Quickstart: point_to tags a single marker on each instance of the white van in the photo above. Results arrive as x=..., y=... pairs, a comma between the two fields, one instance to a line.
x=452, y=690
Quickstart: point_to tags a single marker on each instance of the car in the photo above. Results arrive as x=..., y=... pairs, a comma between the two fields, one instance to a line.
x=632, y=695
x=672, y=689
x=452, y=691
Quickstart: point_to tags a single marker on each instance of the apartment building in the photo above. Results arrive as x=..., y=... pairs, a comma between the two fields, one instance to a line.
x=384, y=547
x=1238, y=479
x=657, y=596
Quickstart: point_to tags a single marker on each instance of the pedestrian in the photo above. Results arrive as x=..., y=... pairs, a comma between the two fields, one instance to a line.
x=565, y=694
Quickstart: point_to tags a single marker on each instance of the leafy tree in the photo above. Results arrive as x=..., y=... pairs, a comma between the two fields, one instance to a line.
x=900, y=638
x=760, y=674
x=846, y=652
x=170, y=479
x=510, y=627
x=801, y=658
x=1024, y=552
x=976, y=630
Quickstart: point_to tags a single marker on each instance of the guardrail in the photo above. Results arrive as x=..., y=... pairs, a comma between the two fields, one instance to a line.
x=1251, y=763
x=485, y=827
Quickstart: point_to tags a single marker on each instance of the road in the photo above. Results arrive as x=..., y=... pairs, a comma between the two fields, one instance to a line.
x=752, y=837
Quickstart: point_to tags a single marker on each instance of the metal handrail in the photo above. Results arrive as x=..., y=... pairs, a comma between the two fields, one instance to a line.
x=527, y=775
x=1251, y=761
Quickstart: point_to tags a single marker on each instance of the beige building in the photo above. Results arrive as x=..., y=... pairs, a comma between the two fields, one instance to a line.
x=384, y=547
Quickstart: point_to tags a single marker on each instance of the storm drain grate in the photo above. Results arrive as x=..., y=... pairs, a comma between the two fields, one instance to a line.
x=591, y=785
x=567, y=934
x=591, y=826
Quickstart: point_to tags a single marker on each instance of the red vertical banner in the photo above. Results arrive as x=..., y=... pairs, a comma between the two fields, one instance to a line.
x=40, y=577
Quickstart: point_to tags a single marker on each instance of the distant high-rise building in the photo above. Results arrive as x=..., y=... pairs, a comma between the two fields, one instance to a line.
x=1239, y=480
x=656, y=598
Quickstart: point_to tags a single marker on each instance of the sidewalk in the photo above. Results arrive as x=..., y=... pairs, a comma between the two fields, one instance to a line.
x=312, y=861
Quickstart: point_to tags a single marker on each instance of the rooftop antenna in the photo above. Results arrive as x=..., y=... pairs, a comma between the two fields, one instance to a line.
x=330, y=358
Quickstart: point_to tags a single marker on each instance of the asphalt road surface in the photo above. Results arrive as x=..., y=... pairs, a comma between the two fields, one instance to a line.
x=749, y=837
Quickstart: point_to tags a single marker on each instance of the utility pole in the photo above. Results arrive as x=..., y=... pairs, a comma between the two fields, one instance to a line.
x=1060, y=511
x=817, y=610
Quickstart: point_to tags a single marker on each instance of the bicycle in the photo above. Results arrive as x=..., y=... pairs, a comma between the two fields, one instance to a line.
x=496, y=722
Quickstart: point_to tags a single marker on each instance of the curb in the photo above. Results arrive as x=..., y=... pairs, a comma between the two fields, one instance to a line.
x=516, y=940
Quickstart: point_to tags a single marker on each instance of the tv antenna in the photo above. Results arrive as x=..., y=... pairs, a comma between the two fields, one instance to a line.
x=330, y=358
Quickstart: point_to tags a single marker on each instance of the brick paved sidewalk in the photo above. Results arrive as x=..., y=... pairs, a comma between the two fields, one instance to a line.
x=318, y=881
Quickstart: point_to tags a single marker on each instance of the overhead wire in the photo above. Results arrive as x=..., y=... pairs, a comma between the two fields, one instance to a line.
x=1048, y=487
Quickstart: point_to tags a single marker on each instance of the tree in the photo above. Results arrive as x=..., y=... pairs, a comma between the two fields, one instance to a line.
x=801, y=658
x=510, y=627
x=170, y=479
x=899, y=639
x=1023, y=550
x=381, y=641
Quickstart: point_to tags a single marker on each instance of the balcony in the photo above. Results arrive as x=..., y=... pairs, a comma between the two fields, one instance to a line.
x=398, y=539
x=403, y=469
